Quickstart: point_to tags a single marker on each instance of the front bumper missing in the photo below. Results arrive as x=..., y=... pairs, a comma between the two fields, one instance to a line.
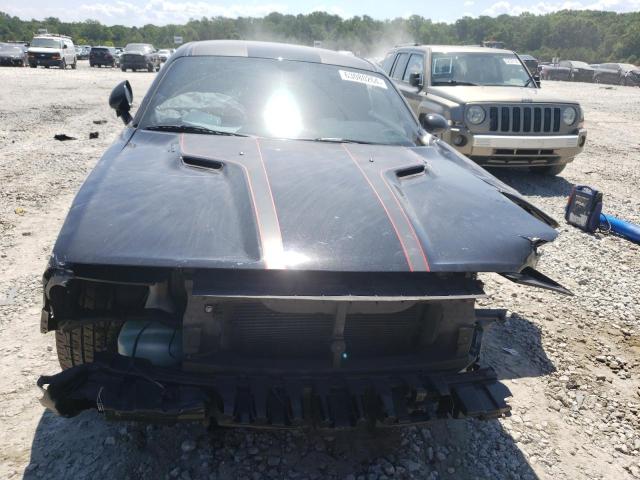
x=134, y=390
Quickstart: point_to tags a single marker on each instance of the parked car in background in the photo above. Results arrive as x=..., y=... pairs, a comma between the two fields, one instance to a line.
x=140, y=56
x=52, y=51
x=531, y=63
x=546, y=69
x=103, y=56
x=285, y=246
x=617, y=74
x=14, y=55
x=85, y=50
x=499, y=117
x=164, y=54
x=576, y=71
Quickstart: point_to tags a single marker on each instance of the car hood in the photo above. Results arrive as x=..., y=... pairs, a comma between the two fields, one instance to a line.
x=204, y=201
x=467, y=94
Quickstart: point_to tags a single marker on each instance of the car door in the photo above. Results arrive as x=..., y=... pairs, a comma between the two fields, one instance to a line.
x=564, y=70
x=604, y=73
x=413, y=93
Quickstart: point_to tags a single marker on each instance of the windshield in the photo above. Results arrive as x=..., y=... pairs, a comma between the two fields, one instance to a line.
x=474, y=68
x=45, y=43
x=281, y=99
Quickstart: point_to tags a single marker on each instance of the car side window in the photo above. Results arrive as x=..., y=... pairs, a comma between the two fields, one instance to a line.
x=387, y=63
x=401, y=65
x=564, y=64
x=415, y=65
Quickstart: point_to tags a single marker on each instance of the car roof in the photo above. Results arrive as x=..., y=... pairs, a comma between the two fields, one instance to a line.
x=454, y=48
x=285, y=51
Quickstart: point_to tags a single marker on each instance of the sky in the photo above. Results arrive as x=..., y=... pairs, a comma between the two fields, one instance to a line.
x=161, y=12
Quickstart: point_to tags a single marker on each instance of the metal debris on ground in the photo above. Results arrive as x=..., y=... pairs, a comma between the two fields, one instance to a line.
x=63, y=137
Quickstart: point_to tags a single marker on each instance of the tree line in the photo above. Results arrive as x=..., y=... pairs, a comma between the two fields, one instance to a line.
x=591, y=36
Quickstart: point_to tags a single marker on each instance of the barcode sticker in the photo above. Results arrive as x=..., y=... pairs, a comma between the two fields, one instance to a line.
x=511, y=61
x=362, y=78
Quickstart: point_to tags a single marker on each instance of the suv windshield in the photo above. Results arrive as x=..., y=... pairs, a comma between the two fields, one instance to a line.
x=281, y=99
x=475, y=68
x=45, y=43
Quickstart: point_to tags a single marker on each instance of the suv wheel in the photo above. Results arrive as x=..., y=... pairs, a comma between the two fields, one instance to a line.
x=150, y=67
x=63, y=64
x=74, y=65
x=123, y=69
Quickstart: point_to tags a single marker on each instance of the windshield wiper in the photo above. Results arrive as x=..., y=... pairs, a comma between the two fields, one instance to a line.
x=455, y=82
x=192, y=129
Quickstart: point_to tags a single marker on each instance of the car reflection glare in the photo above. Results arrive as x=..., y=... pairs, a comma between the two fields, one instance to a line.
x=282, y=116
x=277, y=259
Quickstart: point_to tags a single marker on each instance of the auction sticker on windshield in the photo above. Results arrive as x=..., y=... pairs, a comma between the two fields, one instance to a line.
x=362, y=78
x=511, y=61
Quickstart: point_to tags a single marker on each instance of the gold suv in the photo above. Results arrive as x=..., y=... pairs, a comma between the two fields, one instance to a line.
x=497, y=113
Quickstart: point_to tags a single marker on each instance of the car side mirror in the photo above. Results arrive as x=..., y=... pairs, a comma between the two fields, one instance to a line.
x=64, y=46
x=415, y=79
x=121, y=99
x=434, y=123
x=536, y=78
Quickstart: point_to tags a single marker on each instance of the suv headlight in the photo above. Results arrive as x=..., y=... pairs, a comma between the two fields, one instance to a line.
x=475, y=114
x=569, y=115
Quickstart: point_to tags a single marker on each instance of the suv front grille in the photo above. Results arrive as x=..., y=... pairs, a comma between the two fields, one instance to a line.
x=524, y=119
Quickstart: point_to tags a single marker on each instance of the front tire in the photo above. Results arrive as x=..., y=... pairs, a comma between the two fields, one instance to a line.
x=550, y=170
x=123, y=69
x=150, y=67
x=79, y=345
x=63, y=64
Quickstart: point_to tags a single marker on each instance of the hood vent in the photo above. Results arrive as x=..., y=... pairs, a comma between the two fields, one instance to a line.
x=201, y=162
x=410, y=171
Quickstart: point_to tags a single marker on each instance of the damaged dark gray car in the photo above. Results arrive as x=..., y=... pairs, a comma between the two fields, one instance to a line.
x=274, y=240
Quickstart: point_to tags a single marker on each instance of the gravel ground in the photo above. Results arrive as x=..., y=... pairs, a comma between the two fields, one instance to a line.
x=571, y=363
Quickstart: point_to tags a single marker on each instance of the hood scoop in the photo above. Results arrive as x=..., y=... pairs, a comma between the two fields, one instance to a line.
x=411, y=171
x=202, y=162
